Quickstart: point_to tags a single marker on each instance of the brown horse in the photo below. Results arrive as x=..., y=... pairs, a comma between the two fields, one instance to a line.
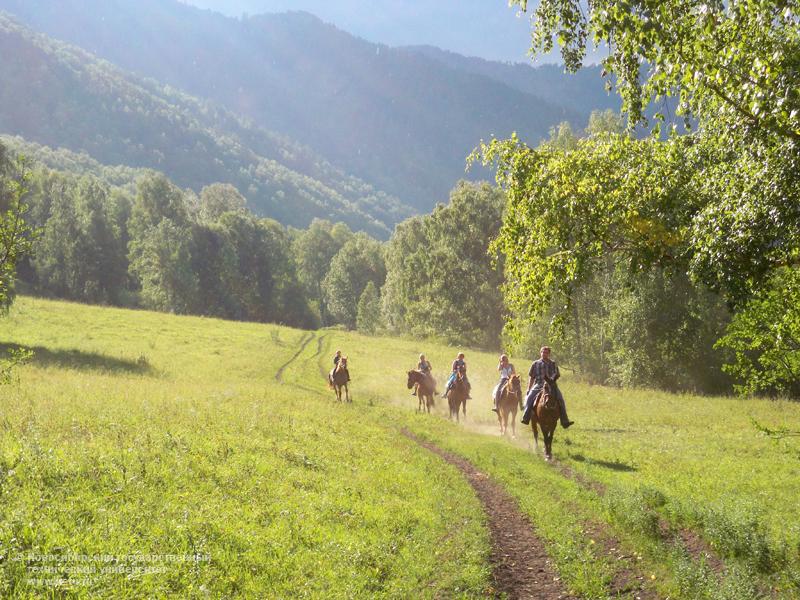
x=426, y=388
x=510, y=400
x=338, y=379
x=546, y=415
x=457, y=396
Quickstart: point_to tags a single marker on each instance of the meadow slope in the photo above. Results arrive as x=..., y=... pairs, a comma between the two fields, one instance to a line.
x=137, y=440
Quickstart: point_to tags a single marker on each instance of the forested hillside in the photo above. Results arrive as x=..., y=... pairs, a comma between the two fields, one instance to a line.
x=580, y=92
x=60, y=96
x=400, y=120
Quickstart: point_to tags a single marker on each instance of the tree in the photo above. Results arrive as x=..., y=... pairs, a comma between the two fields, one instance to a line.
x=80, y=254
x=314, y=250
x=569, y=211
x=730, y=61
x=16, y=236
x=605, y=121
x=161, y=261
x=219, y=198
x=765, y=338
x=735, y=68
x=359, y=262
x=440, y=279
x=368, y=318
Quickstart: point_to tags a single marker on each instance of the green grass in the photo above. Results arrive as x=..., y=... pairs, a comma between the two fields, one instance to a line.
x=140, y=433
x=205, y=453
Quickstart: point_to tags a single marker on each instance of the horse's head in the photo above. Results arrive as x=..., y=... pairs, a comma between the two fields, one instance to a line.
x=514, y=385
x=411, y=379
x=548, y=398
x=343, y=362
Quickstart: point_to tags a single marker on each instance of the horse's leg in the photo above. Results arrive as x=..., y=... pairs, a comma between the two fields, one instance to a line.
x=535, y=435
x=347, y=393
x=548, y=444
x=513, y=423
x=500, y=420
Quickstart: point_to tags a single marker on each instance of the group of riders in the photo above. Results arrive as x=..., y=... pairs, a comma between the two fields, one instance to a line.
x=542, y=371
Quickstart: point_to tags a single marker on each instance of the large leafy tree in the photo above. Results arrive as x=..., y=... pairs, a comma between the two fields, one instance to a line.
x=441, y=281
x=359, y=262
x=15, y=233
x=765, y=337
x=81, y=254
x=569, y=211
x=734, y=67
x=735, y=62
x=314, y=249
x=721, y=204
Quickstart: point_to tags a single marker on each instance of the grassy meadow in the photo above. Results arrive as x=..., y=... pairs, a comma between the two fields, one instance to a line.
x=144, y=454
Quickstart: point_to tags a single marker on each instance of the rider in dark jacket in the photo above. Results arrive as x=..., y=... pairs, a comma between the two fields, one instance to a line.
x=541, y=370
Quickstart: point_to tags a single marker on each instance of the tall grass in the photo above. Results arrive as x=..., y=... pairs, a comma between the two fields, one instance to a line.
x=133, y=433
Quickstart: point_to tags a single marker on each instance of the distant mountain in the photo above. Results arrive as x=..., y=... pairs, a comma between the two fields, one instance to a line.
x=401, y=120
x=581, y=92
x=60, y=96
x=487, y=28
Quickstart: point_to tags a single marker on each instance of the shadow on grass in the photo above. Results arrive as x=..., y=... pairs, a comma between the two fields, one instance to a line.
x=614, y=466
x=77, y=359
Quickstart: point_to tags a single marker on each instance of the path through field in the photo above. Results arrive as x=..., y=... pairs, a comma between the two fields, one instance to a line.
x=521, y=567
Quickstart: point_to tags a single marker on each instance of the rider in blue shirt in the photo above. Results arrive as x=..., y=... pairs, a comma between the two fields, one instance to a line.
x=459, y=366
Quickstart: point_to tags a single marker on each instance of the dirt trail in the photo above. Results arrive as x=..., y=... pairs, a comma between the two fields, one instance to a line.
x=520, y=565
x=307, y=339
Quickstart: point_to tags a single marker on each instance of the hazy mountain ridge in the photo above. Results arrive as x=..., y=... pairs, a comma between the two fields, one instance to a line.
x=581, y=92
x=401, y=120
x=60, y=96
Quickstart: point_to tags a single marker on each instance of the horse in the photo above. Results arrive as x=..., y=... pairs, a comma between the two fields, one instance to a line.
x=426, y=388
x=510, y=400
x=457, y=396
x=546, y=415
x=338, y=379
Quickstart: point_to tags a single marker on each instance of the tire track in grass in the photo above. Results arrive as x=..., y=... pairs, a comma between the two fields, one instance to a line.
x=521, y=567
x=306, y=340
x=320, y=342
x=695, y=546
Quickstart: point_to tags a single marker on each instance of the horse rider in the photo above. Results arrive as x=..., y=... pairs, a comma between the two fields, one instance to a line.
x=541, y=370
x=336, y=358
x=506, y=371
x=424, y=367
x=459, y=366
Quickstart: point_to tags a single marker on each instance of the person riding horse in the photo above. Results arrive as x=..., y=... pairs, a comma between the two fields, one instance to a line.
x=459, y=366
x=506, y=371
x=424, y=367
x=336, y=358
x=541, y=370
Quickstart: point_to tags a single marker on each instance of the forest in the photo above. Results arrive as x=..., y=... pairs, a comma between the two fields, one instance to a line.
x=627, y=292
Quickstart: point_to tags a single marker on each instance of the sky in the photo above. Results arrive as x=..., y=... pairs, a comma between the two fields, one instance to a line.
x=486, y=28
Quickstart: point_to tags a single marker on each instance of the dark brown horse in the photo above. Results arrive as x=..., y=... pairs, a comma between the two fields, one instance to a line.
x=457, y=396
x=426, y=389
x=339, y=378
x=510, y=400
x=546, y=416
